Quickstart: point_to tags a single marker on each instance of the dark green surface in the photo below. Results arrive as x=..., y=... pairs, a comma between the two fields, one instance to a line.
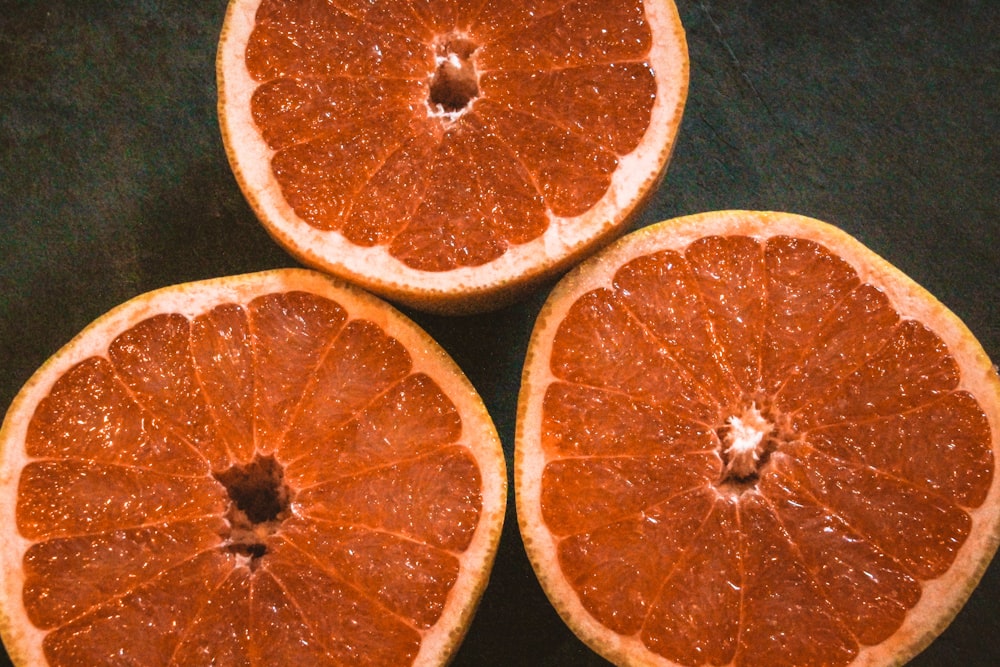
x=881, y=118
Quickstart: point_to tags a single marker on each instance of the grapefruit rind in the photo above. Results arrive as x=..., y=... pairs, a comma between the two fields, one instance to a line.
x=942, y=598
x=466, y=289
x=23, y=640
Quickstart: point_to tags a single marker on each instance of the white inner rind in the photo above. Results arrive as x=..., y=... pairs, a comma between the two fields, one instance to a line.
x=374, y=267
x=941, y=598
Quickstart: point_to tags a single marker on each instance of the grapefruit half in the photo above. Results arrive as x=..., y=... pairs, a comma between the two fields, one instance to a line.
x=745, y=439
x=271, y=469
x=449, y=155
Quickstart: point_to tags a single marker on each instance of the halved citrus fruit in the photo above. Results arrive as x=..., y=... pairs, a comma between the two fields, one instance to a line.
x=449, y=155
x=269, y=469
x=745, y=439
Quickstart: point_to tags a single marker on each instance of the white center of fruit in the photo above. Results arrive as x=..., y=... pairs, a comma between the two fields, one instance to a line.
x=744, y=442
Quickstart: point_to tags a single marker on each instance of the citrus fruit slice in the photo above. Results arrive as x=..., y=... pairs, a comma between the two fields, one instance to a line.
x=269, y=469
x=448, y=155
x=745, y=439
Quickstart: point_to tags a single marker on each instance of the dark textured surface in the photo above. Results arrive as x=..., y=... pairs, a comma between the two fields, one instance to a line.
x=881, y=118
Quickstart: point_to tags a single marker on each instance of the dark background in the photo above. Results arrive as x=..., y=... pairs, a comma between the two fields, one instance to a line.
x=879, y=117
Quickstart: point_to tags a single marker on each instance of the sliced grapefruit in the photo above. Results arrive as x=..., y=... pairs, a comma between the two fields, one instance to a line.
x=270, y=469
x=745, y=439
x=449, y=155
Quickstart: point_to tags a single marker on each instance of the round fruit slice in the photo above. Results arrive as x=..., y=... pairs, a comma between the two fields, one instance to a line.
x=269, y=469
x=745, y=439
x=449, y=155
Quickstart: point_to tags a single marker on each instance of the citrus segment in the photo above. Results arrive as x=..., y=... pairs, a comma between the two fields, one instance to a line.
x=219, y=632
x=701, y=627
x=372, y=561
x=157, y=610
x=220, y=350
x=264, y=469
x=90, y=416
x=287, y=353
x=449, y=155
x=73, y=497
x=65, y=576
x=153, y=361
x=745, y=439
x=860, y=572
